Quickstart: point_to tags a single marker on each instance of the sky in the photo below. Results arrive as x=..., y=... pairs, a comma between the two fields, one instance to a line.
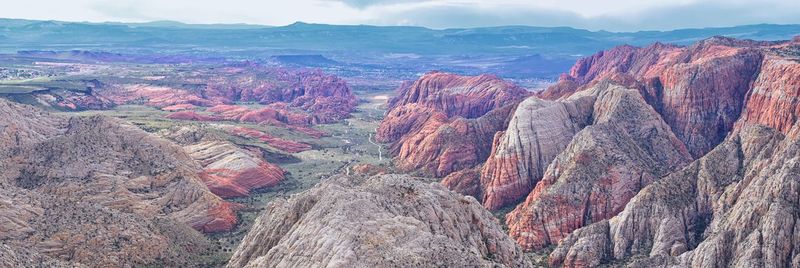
x=612, y=15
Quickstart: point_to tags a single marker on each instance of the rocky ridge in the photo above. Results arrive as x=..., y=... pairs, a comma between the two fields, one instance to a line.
x=733, y=207
x=379, y=221
x=626, y=147
x=95, y=191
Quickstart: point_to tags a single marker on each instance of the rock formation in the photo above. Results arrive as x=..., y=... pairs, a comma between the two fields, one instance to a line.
x=295, y=97
x=95, y=191
x=380, y=221
x=734, y=207
x=626, y=147
x=229, y=171
x=698, y=90
x=443, y=123
x=680, y=102
x=278, y=143
x=538, y=131
x=326, y=97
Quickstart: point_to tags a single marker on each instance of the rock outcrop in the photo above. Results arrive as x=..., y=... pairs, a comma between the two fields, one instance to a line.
x=442, y=146
x=278, y=143
x=444, y=123
x=379, y=221
x=95, y=191
x=626, y=147
x=295, y=97
x=326, y=97
x=734, y=207
x=698, y=90
x=229, y=171
x=454, y=95
x=538, y=131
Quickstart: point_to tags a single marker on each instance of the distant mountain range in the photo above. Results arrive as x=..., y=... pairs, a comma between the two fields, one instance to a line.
x=510, y=51
x=515, y=40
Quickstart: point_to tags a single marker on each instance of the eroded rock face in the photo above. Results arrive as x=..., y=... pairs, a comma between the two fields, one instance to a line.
x=229, y=171
x=454, y=95
x=326, y=97
x=380, y=221
x=626, y=147
x=99, y=192
x=444, y=123
x=774, y=100
x=443, y=146
x=698, y=90
x=733, y=207
x=539, y=130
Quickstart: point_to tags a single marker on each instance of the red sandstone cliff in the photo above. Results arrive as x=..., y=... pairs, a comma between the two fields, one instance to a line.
x=443, y=123
x=626, y=147
x=700, y=93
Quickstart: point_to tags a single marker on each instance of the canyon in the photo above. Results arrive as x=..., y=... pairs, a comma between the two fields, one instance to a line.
x=585, y=152
x=669, y=155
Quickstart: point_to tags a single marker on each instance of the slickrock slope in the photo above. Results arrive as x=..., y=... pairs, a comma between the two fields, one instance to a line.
x=232, y=172
x=626, y=147
x=228, y=170
x=538, y=131
x=278, y=143
x=735, y=207
x=443, y=123
x=698, y=90
x=101, y=193
x=380, y=221
x=22, y=125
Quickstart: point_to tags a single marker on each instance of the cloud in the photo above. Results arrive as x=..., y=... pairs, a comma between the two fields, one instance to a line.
x=361, y=4
x=615, y=15
x=654, y=17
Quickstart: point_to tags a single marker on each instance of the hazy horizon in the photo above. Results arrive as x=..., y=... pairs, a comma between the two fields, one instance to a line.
x=616, y=16
x=244, y=24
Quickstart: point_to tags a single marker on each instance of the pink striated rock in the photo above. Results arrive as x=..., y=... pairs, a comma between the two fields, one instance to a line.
x=285, y=145
x=454, y=95
x=221, y=218
x=178, y=107
x=443, y=123
x=193, y=116
x=538, y=131
x=733, y=207
x=698, y=90
x=774, y=100
x=229, y=171
x=627, y=147
x=155, y=96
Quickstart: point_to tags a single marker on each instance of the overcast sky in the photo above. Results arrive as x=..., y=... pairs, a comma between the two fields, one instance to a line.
x=614, y=15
